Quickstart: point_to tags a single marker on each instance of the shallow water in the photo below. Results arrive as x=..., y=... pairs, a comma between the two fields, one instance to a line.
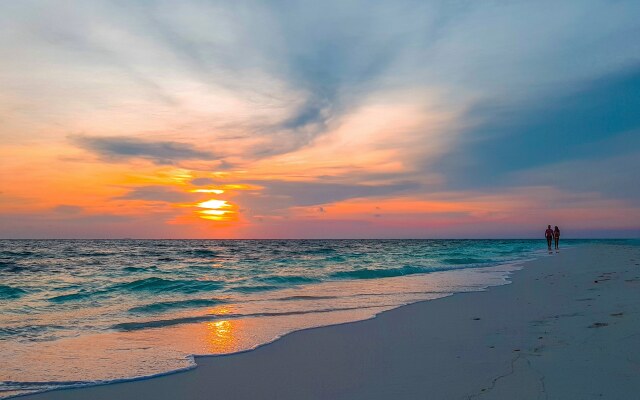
x=71, y=310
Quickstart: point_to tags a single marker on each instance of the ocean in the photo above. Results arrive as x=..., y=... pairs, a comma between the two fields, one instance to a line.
x=79, y=312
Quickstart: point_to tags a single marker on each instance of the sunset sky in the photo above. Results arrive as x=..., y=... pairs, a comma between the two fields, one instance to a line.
x=319, y=119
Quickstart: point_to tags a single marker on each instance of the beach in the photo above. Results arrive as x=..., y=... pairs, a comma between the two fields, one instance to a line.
x=567, y=327
x=334, y=200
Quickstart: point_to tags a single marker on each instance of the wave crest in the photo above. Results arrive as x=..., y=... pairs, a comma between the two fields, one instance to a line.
x=367, y=273
x=160, y=285
x=9, y=292
x=168, y=305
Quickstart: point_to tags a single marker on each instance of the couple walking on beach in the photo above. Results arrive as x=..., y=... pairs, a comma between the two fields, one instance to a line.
x=552, y=234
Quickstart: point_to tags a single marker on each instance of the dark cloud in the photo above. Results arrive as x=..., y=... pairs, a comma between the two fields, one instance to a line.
x=310, y=193
x=610, y=176
x=568, y=124
x=125, y=148
x=156, y=193
x=278, y=195
x=202, y=181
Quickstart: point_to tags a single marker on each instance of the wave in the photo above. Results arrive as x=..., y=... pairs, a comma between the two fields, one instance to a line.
x=284, y=279
x=290, y=298
x=159, y=285
x=336, y=258
x=160, y=323
x=465, y=261
x=6, y=264
x=318, y=251
x=367, y=273
x=139, y=269
x=63, y=298
x=168, y=305
x=17, y=253
x=204, y=252
x=10, y=292
x=29, y=332
x=93, y=254
x=255, y=288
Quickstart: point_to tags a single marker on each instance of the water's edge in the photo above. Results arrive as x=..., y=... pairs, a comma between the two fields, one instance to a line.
x=192, y=358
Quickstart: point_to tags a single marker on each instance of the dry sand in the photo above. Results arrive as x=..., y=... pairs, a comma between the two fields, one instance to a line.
x=568, y=327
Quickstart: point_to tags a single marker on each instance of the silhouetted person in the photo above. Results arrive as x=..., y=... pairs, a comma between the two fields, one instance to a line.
x=556, y=236
x=548, y=234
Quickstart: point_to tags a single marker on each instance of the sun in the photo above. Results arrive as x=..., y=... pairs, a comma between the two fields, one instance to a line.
x=217, y=210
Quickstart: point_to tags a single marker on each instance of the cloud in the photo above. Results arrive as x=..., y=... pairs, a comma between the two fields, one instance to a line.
x=579, y=122
x=277, y=196
x=157, y=193
x=202, y=181
x=67, y=209
x=126, y=148
x=609, y=175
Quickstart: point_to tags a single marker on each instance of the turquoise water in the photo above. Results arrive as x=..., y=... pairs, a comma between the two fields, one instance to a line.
x=73, y=310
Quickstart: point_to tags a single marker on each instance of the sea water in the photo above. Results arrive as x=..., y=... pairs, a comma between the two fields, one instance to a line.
x=78, y=312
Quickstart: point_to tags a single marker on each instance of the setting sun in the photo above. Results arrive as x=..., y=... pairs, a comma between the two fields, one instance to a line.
x=216, y=210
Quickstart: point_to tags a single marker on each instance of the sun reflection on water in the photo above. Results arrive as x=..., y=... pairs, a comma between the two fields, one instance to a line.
x=220, y=336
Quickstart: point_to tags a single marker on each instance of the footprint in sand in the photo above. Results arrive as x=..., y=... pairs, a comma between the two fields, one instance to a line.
x=598, y=325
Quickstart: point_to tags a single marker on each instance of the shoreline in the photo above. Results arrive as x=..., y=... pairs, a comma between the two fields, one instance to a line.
x=217, y=335
x=503, y=270
x=365, y=331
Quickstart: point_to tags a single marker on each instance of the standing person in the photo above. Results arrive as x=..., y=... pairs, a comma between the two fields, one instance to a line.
x=548, y=234
x=556, y=236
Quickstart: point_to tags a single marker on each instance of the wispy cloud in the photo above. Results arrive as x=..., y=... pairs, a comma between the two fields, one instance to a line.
x=579, y=122
x=202, y=181
x=275, y=197
x=126, y=148
x=157, y=193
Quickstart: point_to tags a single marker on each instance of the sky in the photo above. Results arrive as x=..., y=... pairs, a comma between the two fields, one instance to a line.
x=331, y=119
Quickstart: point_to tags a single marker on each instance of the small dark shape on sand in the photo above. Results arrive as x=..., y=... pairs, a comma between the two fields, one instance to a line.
x=598, y=325
x=476, y=319
x=618, y=314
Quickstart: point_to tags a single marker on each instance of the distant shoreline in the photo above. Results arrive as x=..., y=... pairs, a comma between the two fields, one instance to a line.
x=333, y=239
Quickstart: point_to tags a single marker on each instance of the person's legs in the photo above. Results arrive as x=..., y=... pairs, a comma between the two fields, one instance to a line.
x=549, y=243
x=557, y=240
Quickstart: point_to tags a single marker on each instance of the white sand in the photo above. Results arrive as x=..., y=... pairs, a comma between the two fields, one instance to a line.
x=554, y=333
